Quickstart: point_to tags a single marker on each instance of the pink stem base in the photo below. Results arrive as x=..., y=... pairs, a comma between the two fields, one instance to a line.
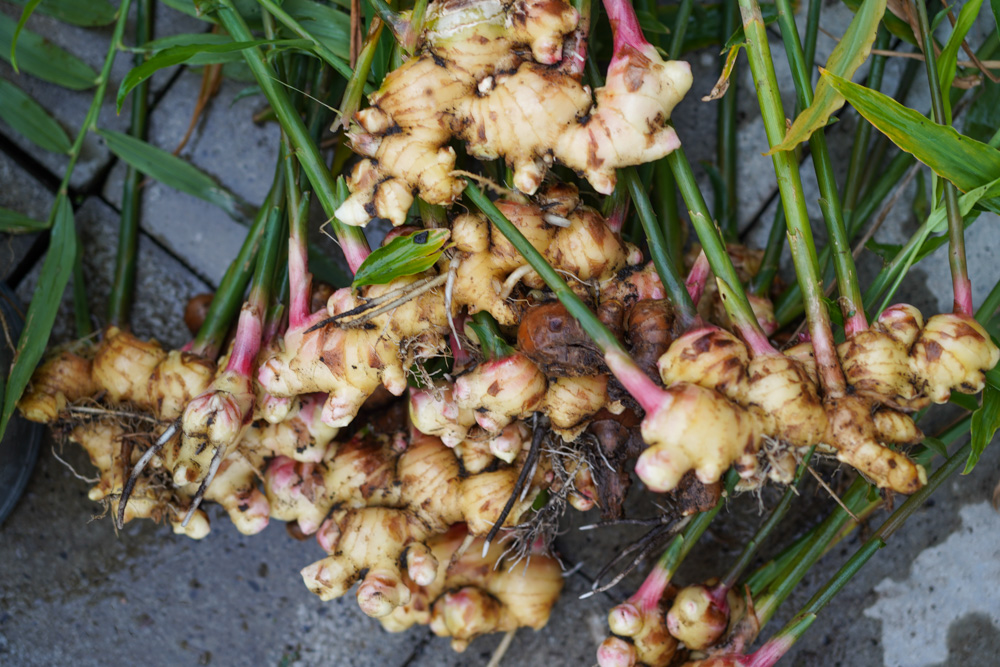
x=637, y=383
x=697, y=278
x=247, y=343
x=963, y=296
x=651, y=591
x=299, y=284
x=625, y=25
x=855, y=324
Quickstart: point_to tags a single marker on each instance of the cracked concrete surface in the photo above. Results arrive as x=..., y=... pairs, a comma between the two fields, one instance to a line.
x=74, y=592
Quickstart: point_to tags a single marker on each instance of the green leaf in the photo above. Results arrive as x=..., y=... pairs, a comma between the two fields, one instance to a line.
x=183, y=39
x=26, y=13
x=965, y=162
x=995, y=6
x=28, y=118
x=56, y=269
x=738, y=38
x=936, y=446
x=13, y=222
x=893, y=23
x=181, y=54
x=330, y=26
x=86, y=13
x=402, y=256
x=920, y=206
x=851, y=51
x=887, y=251
x=983, y=117
x=650, y=24
x=985, y=422
x=42, y=59
x=947, y=63
x=176, y=173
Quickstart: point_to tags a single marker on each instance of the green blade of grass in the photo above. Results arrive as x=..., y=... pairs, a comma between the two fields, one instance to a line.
x=847, y=57
x=43, y=59
x=28, y=118
x=176, y=55
x=176, y=173
x=54, y=276
x=26, y=13
x=12, y=222
x=88, y=13
x=965, y=162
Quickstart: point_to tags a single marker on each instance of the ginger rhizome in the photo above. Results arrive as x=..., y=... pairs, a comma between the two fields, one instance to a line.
x=473, y=79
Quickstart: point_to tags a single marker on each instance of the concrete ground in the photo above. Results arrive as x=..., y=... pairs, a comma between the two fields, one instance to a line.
x=75, y=592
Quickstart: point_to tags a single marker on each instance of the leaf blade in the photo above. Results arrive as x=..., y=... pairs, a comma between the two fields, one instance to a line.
x=89, y=14
x=985, y=422
x=44, y=307
x=403, y=256
x=851, y=51
x=43, y=59
x=28, y=118
x=180, y=54
x=176, y=173
x=965, y=162
x=13, y=222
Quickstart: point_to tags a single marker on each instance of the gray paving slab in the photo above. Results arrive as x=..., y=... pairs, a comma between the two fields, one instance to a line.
x=24, y=194
x=228, y=146
x=162, y=289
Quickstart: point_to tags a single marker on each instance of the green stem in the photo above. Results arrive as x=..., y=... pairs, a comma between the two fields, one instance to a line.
x=790, y=185
x=356, y=84
x=801, y=622
x=397, y=24
x=604, y=339
x=665, y=195
x=738, y=308
x=862, y=133
x=415, y=26
x=812, y=32
x=777, y=514
x=120, y=300
x=665, y=268
x=81, y=309
x=491, y=340
x=680, y=28
x=847, y=275
x=727, y=133
x=956, y=230
x=352, y=240
x=768, y=604
x=274, y=9
x=760, y=284
x=228, y=298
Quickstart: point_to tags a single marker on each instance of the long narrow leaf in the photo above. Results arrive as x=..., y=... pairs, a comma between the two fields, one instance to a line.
x=85, y=13
x=26, y=13
x=963, y=161
x=44, y=306
x=328, y=25
x=188, y=52
x=13, y=222
x=985, y=422
x=39, y=57
x=176, y=173
x=847, y=57
x=28, y=118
